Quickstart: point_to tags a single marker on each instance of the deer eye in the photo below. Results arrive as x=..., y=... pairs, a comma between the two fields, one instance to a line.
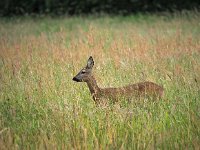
x=83, y=71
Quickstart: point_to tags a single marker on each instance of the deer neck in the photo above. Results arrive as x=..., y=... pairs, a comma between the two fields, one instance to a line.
x=92, y=84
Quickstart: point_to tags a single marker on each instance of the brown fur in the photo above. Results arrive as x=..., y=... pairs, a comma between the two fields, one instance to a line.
x=142, y=89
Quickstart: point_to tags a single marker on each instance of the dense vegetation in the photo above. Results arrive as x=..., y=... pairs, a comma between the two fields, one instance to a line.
x=42, y=108
x=74, y=7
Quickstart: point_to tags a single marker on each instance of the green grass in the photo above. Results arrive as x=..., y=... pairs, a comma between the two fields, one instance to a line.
x=41, y=107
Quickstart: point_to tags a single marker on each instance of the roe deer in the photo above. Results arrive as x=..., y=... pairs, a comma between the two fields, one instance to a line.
x=141, y=89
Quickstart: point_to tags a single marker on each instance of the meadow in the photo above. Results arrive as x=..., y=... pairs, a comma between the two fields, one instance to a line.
x=42, y=108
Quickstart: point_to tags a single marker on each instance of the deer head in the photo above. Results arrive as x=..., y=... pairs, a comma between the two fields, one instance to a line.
x=85, y=73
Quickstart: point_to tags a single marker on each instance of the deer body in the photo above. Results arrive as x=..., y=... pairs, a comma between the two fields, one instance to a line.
x=101, y=95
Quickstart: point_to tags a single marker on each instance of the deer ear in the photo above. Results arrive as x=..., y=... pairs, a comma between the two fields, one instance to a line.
x=90, y=63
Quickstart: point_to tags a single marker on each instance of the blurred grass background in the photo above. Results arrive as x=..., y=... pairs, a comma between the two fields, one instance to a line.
x=42, y=108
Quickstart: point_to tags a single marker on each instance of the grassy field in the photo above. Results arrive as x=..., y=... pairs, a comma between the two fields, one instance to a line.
x=42, y=108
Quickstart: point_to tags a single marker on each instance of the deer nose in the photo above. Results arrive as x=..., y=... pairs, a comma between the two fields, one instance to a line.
x=75, y=79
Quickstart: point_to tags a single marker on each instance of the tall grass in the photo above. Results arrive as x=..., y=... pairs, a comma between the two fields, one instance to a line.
x=42, y=108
